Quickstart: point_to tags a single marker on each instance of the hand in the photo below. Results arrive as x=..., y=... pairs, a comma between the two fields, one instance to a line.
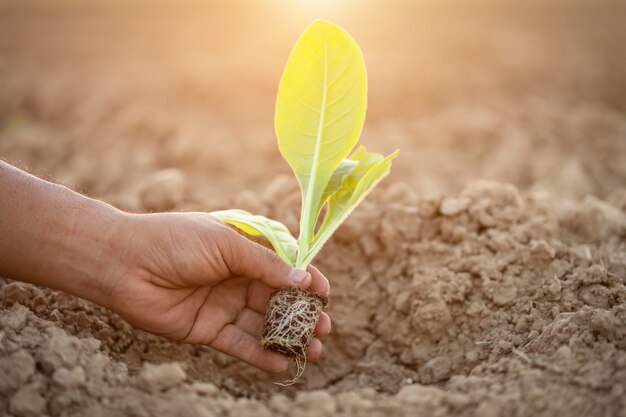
x=189, y=277
x=186, y=276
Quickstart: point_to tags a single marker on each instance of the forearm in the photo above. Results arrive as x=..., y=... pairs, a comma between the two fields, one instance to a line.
x=55, y=237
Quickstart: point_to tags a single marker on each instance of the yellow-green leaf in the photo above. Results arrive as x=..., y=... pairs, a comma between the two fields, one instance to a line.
x=275, y=232
x=320, y=110
x=336, y=180
x=371, y=169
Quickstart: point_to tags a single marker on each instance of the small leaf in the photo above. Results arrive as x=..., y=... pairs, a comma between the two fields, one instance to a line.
x=275, y=232
x=371, y=169
x=320, y=110
x=336, y=180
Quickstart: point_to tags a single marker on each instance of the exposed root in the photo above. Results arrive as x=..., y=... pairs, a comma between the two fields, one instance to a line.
x=290, y=321
x=300, y=362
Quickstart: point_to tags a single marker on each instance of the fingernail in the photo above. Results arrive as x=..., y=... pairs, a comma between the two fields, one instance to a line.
x=297, y=275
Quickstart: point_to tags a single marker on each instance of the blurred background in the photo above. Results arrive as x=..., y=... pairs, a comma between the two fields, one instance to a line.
x=101, y=94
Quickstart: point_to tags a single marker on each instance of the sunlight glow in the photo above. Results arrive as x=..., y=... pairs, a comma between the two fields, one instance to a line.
x=319, y=6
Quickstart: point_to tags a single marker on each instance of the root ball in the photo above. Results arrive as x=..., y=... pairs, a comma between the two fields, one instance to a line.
x=290, y=321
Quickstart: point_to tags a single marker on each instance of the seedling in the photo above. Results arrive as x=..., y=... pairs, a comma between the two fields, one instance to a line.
x=320, y=110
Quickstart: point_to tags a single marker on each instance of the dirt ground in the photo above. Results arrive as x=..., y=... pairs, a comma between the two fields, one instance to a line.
x=485, y=277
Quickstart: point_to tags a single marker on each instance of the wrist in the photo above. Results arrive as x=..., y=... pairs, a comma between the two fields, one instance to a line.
x=82, y=249
x=98, y=249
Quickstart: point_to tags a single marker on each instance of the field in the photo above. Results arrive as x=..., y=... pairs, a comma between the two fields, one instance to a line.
x=486, y=276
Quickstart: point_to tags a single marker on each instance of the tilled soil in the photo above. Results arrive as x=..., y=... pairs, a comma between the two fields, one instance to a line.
x=451, y=296
x=491, y=302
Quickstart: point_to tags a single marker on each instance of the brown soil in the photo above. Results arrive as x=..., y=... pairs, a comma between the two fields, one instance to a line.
x=451, y=296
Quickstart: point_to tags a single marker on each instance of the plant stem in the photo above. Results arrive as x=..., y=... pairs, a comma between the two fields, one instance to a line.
x=302, y=249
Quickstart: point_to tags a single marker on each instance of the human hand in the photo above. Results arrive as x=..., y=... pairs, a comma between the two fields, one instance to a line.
x=191, y=278
x=185, y=276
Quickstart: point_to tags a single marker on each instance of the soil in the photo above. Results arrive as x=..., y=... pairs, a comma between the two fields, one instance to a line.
x=485, y=277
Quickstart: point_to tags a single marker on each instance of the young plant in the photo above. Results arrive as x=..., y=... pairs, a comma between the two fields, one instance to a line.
x=320, y=110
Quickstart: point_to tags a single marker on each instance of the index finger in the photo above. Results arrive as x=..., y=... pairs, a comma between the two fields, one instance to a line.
x=319, y=283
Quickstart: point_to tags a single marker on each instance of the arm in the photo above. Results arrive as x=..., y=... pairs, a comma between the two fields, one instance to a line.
x=54, y=237
x=185, y=276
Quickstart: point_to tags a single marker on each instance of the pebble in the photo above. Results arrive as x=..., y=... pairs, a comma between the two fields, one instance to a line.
x=205, y=388
x=67, y=378
x=453, y=206
x=158, y=377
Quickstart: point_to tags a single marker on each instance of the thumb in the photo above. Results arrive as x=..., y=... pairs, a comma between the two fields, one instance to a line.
x=251, y=260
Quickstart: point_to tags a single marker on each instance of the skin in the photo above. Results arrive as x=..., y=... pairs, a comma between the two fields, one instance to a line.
x=185, y=276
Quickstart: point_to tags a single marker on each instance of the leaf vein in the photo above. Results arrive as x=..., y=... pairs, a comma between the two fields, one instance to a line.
x=342, y=95
x=336, y=119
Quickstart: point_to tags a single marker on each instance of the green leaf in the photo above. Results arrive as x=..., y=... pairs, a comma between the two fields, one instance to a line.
x=275, y=232
x=371, y=168
x=320, y=110
x=336, y=180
